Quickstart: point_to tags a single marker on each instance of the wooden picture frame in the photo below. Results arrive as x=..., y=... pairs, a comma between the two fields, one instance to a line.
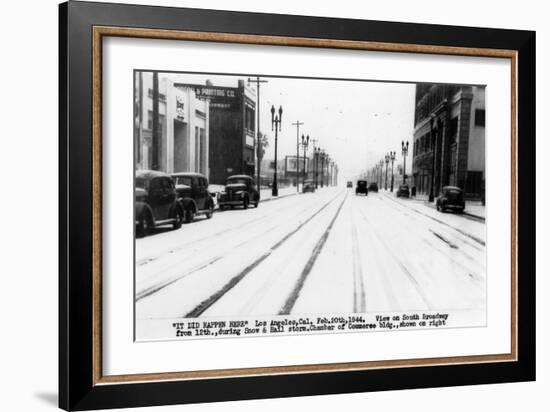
x=82, y=385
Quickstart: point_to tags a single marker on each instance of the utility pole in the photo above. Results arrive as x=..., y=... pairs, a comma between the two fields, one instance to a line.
x=387, y=160
x=156, y=137
x=257, y=81
x=297, y=124
x=392, y=158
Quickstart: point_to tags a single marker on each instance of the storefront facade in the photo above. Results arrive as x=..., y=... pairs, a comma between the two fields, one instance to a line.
x=183, y=127
x=449, y=139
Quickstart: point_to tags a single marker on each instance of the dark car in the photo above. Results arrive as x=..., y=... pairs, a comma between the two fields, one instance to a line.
x=349, y=184
x=451, y=198
x=309, y=186
x=193, y=195
x=403, y=191
x=240, y=190
x=373, y=187
x=156, y=202
x=361, y=187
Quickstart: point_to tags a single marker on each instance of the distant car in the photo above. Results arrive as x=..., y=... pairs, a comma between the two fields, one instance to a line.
x=156, y=202
x=240, y=190
x=309, y=186
x=373, y=187
x=403, y=191
x=451, y=198
x=361, y=187
x=349, y=184
x=193, y=195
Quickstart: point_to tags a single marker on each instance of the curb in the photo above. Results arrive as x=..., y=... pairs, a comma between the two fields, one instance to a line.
x=277, y=197
x=217, y=209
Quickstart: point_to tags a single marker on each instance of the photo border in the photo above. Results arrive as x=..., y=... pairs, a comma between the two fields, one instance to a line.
x=82, y=28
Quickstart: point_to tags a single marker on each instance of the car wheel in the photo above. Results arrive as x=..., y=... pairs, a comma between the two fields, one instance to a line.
x=179, y=219
x=246, y=202
x=189, y=215
x=210, y=211
x=256, y=203
x=144, y=225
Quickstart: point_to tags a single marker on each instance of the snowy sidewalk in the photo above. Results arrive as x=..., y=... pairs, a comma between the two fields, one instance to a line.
x=474, y=208
x=265, y=193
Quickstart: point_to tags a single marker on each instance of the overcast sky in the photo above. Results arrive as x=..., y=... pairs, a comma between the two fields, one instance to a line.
x=356, y=122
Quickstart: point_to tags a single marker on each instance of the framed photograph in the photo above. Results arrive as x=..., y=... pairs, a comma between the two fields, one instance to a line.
x=257, y=206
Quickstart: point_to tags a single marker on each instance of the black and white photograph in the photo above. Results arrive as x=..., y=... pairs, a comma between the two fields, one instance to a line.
x=270, y=205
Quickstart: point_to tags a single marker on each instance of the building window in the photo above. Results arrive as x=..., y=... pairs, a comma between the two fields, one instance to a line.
x=249, y=118
x=480, y=117
x=150, y=121
x=162, y=96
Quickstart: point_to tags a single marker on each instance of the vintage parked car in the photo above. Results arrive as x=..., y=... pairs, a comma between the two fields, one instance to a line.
x=349, y=184
x=373, y=187
x=361, y=187
x=451, y=198
x=156, y=202
x=403, y=191
x=309, y=186
x=240, y=190
x=193, y=195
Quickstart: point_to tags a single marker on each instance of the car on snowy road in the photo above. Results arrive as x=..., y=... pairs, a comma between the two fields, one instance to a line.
x=240, y=190
x=403, y=191
x=309, y=186
x=373, y=187
x=361, y=187
x=451, y=198
x=156, y=202
x=193, y=195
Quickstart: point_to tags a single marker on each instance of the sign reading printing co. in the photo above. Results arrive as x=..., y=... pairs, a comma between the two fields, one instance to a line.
x=219, y=97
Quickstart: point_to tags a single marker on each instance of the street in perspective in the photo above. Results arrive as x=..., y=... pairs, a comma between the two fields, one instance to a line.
x=260, y=197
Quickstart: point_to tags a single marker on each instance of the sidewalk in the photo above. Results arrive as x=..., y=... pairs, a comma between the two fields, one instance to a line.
x=474, y=208
x=265, y=193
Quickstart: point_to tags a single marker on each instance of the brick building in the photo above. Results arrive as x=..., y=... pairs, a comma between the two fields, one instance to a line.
x=450, y=125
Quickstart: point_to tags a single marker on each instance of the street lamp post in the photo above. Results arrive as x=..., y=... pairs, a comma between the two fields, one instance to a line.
x=298, y=124
x=329, y=173
x=305, y=144
x=258, y=143
x=392, y=158
x=404, y=151
x=322, y=168
x=275, y=124
x=387, y=161
x=432, y=137
x=316, y=165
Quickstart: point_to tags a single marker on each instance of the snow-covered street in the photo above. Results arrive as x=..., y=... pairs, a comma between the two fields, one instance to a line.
x=324, y=252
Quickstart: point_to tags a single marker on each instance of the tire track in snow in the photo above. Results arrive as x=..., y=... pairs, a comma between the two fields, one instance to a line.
x=147, y=260
x=403, y=267
x=205, y=304
x=359, y=304
x=291, y=300
x=462, y=232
